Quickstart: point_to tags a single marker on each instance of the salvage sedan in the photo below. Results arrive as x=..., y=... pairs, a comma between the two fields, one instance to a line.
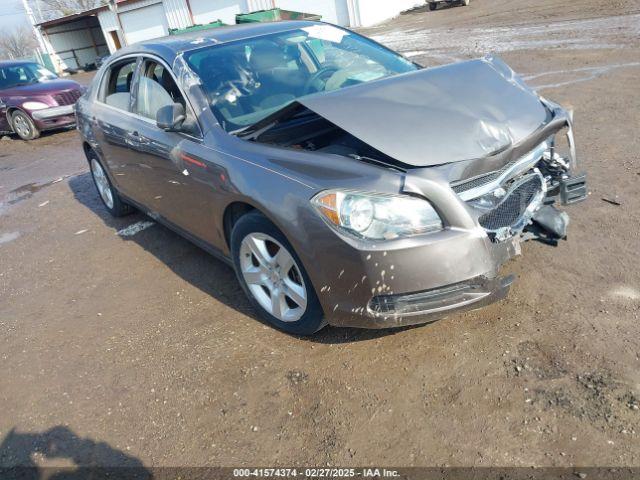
x=344, y=183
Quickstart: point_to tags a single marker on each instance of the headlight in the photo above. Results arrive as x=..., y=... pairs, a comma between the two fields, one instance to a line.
x=377, y=216
x=34, y=105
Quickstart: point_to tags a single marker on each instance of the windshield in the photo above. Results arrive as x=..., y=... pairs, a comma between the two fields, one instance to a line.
x=24, y=74
x=247, y=80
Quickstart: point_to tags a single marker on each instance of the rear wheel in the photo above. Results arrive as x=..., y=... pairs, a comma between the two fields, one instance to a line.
x=24, y=126
x=273, y=277
x=108, y=194
x=433, y=6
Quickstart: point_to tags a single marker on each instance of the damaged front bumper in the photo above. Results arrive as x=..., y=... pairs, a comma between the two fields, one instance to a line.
x=437, y=303
x=425, y=278
x=414, y=280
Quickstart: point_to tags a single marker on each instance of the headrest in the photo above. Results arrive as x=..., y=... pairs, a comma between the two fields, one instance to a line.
x=266, y=56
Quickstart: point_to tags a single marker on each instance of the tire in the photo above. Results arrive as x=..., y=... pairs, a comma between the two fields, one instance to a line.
x=107, y=193
x=258, y=258
x=23, y=126
x=433, y=6
x=465, y=3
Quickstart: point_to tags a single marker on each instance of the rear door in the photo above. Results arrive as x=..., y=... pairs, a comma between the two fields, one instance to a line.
x=115, y=125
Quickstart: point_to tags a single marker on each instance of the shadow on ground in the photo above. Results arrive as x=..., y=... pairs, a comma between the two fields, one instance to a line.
x=90, y=459
x=199, y=268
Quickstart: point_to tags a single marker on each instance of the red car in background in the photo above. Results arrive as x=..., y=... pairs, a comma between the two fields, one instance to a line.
x=33, y=99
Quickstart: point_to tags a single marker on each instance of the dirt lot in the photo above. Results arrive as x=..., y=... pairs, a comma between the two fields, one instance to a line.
x=141, y=348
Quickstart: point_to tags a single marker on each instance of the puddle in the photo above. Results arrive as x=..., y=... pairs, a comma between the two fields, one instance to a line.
x=608, y=32
x=625, y=292
x=8, y=237
x=26, y=191
x=577, y=75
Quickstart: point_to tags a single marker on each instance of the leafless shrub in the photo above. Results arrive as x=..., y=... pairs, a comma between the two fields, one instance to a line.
x=57, y=8
x=18, y=42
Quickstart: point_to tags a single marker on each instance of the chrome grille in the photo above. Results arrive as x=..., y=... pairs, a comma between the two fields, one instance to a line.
x=470, y=188
x=514, y=205
x=479, y=181
x=67, y=98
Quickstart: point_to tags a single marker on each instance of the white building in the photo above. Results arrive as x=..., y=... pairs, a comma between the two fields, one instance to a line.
x=76, y=40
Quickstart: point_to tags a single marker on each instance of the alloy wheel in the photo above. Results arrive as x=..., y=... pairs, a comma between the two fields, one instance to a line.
x=102, y=182
x=21, y=126
x=273, y=277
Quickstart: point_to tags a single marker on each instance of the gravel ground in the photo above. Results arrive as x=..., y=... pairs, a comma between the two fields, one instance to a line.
x=123, y=344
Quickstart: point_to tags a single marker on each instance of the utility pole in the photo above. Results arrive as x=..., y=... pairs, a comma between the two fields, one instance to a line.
x=36, y=29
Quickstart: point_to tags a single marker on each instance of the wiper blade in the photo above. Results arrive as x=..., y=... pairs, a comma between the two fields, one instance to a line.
x=288, y=112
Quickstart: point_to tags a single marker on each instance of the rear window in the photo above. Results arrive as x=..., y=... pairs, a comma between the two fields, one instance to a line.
x=117, y=90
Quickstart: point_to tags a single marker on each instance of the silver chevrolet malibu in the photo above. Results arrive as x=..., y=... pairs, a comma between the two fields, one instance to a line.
x=344, y=183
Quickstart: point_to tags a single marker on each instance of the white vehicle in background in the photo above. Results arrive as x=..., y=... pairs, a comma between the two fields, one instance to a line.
x=434, y=3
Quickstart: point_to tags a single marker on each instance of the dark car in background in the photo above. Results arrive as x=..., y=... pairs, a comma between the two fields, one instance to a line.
x=33, y=99
x=433, y=4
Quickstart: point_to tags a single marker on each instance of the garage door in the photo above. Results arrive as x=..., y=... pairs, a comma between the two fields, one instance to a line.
x=206, y=11
x=144, y=23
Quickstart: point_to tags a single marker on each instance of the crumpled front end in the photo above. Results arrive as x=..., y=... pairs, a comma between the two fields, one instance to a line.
x=487, y=212
x=495, y=211
x=489, y=157
x=518, y=198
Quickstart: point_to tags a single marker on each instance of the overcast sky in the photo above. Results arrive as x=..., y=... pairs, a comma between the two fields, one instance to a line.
x=11, y=14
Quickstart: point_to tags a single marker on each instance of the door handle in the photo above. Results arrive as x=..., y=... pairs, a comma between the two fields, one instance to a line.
x=132, y=138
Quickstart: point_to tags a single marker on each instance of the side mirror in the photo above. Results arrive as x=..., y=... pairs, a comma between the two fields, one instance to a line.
x=170, y=117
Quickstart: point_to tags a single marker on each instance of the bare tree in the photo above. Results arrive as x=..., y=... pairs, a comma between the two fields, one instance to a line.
x=17, y=43
x=57, y=8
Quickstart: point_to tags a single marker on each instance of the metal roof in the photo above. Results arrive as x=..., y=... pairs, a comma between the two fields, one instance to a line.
x=71, y=18
x=13, y=63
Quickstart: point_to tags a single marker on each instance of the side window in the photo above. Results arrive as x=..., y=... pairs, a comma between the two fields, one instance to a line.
x=156, y=89
x=23, y=74
x=117, y=91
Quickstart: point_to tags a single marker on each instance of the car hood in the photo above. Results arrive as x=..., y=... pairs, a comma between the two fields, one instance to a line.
x=437, y=115
x=42, y=88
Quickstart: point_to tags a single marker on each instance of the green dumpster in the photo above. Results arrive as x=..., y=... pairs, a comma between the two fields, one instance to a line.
x=275, y=15
x=195, y=28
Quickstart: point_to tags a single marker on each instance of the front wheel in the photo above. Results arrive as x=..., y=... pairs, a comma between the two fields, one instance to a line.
x=272, y=276
x=24, y=126
x=433, y=6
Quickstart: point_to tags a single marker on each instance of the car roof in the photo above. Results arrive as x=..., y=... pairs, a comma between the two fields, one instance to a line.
x=15, y=63
x=168, y=48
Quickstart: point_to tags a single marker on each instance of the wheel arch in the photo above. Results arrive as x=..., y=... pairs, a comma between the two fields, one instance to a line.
x=87, y=148
x=9, y=114
x=239, y=208
x=232, y=213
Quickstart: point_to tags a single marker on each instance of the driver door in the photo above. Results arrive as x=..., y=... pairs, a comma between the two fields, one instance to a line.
x=177, y=174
